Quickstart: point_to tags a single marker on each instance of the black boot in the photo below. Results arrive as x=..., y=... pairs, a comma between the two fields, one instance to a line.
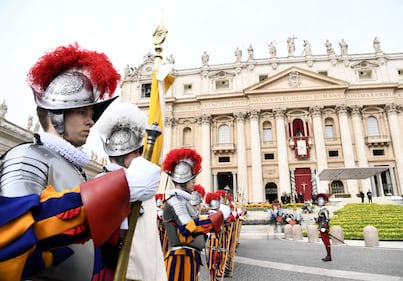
x=328, y=256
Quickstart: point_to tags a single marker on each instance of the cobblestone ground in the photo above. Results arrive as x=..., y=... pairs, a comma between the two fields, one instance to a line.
x=299, y=260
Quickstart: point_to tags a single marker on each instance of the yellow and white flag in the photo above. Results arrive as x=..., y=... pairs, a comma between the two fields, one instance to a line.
x=161, y=82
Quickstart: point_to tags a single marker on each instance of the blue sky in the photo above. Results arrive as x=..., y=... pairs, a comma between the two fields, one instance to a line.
x=123, y=30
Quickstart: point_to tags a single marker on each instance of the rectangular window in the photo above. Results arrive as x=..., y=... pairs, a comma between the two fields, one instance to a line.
x=333, y=153
x=365, y=74
x=263, y=77
x=223, y=159
x=222, y=84
x=324, y=72
x=378, y=152
x=187, y=88
x=146, y=90
x=269, y=156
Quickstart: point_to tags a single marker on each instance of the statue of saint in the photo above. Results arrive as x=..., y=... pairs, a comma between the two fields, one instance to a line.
x=377, y=45
x=291, y=46
x=272, y=49
x=238, y=54
x=329, y=48
x=343, y=47
x=205, y=58
x=307, y=48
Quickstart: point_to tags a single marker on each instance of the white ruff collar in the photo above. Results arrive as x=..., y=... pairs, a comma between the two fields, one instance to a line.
x=72, y=154
x=179, y=192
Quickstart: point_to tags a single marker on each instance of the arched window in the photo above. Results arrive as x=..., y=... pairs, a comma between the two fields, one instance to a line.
x=329, y=127
x=187, y=137
x=267, y=132
x=224, y=134
x=337, y=187
x=373, y=127
x=298, y=128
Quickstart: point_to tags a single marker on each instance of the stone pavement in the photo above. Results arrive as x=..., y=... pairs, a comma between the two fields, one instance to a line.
x=264, y=255
x=280, y=259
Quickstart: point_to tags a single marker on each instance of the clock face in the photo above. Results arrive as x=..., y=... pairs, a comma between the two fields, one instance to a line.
x=147, y=69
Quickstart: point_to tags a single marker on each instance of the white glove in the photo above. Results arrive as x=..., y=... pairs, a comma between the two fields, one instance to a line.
x=143, y=178
x=226, y=211
x=239, y=211
x=234, y=214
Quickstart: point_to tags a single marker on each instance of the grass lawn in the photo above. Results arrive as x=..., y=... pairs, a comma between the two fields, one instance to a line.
x=387, y=218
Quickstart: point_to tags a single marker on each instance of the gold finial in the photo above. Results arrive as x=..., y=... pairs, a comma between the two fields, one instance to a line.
x=159, y=37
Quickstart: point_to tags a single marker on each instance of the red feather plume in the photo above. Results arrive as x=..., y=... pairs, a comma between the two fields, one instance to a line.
x=199, y=188
x=212, y=196
x=222, y=192
x=323, y=195
x=95, y=65
x=177, y=154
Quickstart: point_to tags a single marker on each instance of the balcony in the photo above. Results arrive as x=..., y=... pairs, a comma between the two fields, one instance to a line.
x=221, y=148
x=377, y=140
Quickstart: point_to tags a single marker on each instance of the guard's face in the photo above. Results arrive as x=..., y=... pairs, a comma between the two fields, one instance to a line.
x=190, y=185
x=321, y=201
x=77, y=125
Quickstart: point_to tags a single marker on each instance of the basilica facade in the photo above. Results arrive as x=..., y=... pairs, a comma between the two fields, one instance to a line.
x=268, y=127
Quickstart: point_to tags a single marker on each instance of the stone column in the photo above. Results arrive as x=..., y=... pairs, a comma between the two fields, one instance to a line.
x=392, y=110
x=282, y=151
x=257, y=175
x=241, y=148
x=347, y=145
x=215, y=187
x=320, y=147
x=206, y=180
x=393, y=181
x=167, y=135
x=234, y=184
x=360, y=144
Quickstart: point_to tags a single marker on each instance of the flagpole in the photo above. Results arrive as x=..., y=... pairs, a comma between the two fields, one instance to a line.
x=153, y=133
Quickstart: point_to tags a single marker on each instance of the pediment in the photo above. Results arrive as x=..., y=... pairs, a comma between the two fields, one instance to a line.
x=363, y=65
x=221, y=75
x=296, y=79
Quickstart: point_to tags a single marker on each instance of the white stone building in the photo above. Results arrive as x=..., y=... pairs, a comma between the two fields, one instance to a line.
x=269, y=126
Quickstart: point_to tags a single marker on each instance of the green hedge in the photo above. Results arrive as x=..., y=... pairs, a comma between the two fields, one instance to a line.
x=387, y=218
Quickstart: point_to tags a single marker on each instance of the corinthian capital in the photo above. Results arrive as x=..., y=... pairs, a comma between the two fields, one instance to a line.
x=254, y=114
x=315, y=111
x=279, y=113
x=341, y=109
x=240, y=116
x=392, y=108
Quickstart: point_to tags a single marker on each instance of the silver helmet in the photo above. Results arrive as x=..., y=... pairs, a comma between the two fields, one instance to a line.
x=182, y=164
x=71, y=77
x=183, y=171
x=196, y=198
x=215, y=204
x=122, y=128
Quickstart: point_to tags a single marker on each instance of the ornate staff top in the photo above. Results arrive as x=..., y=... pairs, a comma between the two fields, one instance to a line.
x=159, y=37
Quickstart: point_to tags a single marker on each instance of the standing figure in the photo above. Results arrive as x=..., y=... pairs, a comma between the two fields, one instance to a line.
x=214, y=245
x=362, y=196
x=343, y=47
x=122, y=129
x=250, y=53
x=329, y=48
x=238, y=55
x=291, y=46
x=205, y=58
x=369, y=195
x=71, y=216
x=377, y=45
x=307, y=48
x=272, y=49
x=323, y=220
x=186, y=230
